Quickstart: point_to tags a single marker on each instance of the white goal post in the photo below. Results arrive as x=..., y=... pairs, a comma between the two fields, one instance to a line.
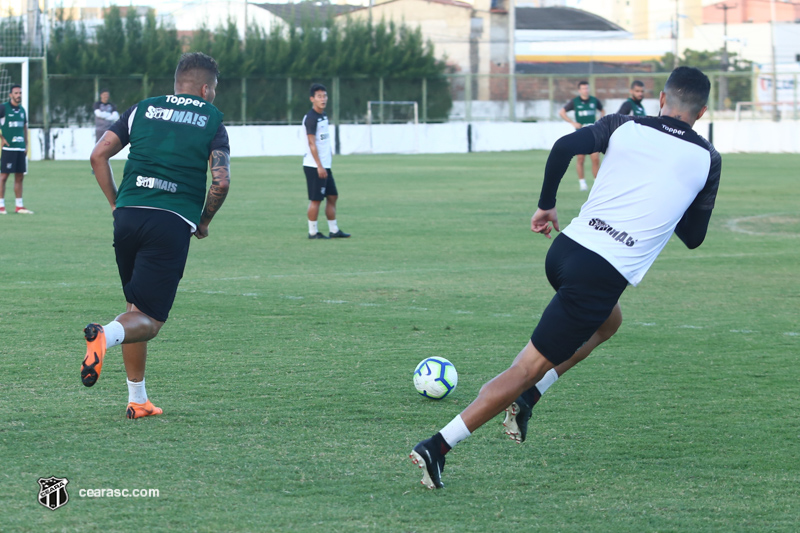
x=6, y=81
x=381, y=104
x=391, y=112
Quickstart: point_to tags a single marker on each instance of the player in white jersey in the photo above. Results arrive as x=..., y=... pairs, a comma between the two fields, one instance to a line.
x=317, y=166
x=658, y=177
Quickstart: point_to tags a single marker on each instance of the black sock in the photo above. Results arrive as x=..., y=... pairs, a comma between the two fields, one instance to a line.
x=440, y=443
x=531, y=396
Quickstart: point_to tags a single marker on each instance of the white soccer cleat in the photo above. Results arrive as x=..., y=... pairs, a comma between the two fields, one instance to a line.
x=583, y=185
x=431, y=461
x=516, y=422
x=510, y=423
x=426, y=481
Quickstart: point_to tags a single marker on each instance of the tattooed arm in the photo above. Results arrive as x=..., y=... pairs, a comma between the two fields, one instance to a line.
x=220, y=181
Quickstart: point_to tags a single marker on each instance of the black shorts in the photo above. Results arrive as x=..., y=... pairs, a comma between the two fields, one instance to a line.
x=318, y=189
x=13, y=162
x=587, y=289
x=151, y=246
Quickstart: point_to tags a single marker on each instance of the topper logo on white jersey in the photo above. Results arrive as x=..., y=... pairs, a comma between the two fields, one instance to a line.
x=182, y=100
x=673, y=130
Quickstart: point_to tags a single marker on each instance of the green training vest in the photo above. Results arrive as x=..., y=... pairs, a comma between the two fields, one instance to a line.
x=637, y=108
x=13, y=128
x=585, y=111
x=167, y=166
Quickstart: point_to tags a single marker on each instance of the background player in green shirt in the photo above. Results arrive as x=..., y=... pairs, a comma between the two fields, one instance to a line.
x=158, y=207
x=586, y=108
x=14, y=140
x=633, y=105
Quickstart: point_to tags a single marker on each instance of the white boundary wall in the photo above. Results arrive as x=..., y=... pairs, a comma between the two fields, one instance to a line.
x=250, y=141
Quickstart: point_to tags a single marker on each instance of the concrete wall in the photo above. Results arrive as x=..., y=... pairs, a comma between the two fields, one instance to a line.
x=248, y=141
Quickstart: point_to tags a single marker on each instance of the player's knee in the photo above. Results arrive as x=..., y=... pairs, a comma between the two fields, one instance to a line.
x=530, y=372
x=155, y=327
x=608, y=329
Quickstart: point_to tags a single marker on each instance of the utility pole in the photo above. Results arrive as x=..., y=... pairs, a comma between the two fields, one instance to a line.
x=775, y=111
x=723, y=81
x=675, y=37
x=33, y=19
x=512, y=60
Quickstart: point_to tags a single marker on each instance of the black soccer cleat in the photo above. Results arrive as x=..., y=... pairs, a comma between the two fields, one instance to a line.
x=516, y=422
x=317, y=236
x=427, y=456
x=338, y=235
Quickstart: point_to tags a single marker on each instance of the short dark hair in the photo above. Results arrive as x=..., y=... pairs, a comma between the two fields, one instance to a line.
x=104, y=90
x=637, y=83
x=582, y=82
x=192, y=61
x=687, y=88
x=15, y=86
x=316, y=87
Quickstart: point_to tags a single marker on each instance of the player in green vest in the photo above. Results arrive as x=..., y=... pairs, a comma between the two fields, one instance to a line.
x=633, y=105
x=14, y=140
x=158, y=207
x=586, y=110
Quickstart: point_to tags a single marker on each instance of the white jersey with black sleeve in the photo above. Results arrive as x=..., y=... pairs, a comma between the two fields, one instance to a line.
x=317, y=124
x=655, y=168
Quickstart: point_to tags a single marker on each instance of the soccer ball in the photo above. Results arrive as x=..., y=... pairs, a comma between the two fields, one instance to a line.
x=435, y=377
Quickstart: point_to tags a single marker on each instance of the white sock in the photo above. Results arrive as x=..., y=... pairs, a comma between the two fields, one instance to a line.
x=19, y=202
x=581, y=180
x=548, y=379
x=136, y=392
x=332, y=226
x=2, y=202
x=115, y=334
x=312, y=227
x=455, y=431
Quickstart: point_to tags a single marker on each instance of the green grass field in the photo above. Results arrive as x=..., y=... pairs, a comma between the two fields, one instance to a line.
x=285, y=369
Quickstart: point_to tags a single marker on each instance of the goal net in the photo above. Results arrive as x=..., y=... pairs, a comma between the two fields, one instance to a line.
x=393, y=113
x=767, y=110
x=14, y=71
x=22, y=36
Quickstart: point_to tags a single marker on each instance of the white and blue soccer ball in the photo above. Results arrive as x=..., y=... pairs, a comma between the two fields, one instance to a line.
x=435, y=377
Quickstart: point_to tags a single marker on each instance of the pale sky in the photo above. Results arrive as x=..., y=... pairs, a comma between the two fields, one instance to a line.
x=163, y=4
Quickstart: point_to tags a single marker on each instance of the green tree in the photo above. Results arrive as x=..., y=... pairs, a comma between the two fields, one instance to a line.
x=357, y=52
x=739, y=88
x=109, y=53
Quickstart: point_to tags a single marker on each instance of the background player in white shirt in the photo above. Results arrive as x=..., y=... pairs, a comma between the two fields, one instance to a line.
x=317, y=166
x=658, y=177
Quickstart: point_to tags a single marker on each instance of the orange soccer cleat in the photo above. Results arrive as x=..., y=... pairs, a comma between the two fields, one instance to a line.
x=139, y=410
x=95, y=352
